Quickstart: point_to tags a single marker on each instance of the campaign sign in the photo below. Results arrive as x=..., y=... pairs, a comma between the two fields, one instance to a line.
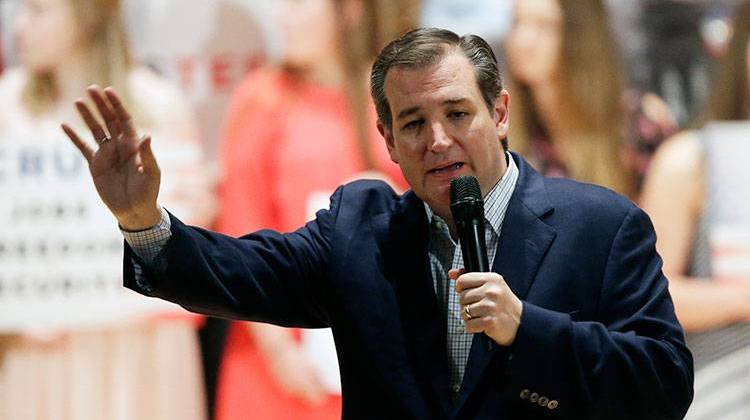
x=60, y=249
x=727, y=146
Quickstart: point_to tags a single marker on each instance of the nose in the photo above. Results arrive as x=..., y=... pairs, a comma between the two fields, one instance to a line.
x=440, y=141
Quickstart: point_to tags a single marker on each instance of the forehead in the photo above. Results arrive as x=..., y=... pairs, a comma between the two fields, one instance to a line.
x=452, y=77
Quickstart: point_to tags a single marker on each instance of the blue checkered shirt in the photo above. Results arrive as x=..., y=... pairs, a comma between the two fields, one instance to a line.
x=443, y=251
x=445, y=254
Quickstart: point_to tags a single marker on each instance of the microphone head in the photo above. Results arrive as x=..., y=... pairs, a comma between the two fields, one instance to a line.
x=466, y=198
x=465, y=187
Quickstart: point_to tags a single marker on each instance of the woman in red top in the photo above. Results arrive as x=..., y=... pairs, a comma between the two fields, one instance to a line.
x=294, y=132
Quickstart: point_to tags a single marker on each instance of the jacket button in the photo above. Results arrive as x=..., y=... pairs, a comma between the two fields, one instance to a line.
x=525, y=394
x=552, y=405
x=543, y=401
x=534, y=397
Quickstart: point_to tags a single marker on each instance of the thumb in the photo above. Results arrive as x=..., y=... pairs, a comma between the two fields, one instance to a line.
x=147, y=154
x=453, y=273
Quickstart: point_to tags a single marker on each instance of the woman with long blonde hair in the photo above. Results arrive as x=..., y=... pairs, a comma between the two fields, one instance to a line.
x=566, y=87
x=126, y=367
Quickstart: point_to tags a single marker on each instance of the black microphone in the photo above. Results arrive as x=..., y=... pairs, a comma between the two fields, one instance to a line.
x=467, y=208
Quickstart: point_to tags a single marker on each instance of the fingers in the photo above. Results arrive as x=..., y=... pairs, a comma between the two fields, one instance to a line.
x=123, y=116
x=489, y=306
x=117, y=119
x=472, y=295
x=478, y=293
x=477, y=318
x=478, y=325
x=477, y=309
x=84, y=148
x=110, y=119
x=96, y=129
x=472, y=280
x=454, y=273
x=147, y=154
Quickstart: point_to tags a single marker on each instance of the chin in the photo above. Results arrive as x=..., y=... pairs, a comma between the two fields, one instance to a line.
x=438, y=200
x=34, y=66
x=439, y=191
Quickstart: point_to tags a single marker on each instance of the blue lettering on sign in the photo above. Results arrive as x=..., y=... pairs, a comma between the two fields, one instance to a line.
x=67, y=164
x=30, y=162
x=35, y=162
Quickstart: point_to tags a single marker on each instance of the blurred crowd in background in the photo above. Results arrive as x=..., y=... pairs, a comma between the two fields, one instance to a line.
x=259, y=109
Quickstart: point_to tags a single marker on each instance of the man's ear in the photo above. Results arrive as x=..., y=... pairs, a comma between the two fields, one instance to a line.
x=501, y=107
x=387, y=134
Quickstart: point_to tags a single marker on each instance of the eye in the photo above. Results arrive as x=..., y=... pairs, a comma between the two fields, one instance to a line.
x=413, y=124
x=456, y=115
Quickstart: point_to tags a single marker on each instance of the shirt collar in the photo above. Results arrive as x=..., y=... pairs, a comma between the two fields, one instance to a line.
x=496, y=201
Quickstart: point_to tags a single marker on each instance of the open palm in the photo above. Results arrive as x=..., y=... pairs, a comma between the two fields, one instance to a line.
x=122, y=165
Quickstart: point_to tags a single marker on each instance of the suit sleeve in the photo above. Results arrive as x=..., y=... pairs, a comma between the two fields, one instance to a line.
x=265, y=276
x=631, y=363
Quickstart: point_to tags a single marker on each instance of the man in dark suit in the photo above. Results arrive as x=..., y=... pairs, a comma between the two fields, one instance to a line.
x=574, y=321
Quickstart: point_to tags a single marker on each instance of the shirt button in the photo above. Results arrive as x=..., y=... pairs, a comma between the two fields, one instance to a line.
x=525, y=394
x=543, y=401
x=552, y=405
x=456, y=388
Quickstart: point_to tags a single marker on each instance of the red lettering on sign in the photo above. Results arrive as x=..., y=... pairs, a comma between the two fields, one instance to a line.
x=186, y=67
x=221, y=76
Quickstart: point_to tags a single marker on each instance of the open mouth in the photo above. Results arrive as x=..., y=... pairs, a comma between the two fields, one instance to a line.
x=447, y=168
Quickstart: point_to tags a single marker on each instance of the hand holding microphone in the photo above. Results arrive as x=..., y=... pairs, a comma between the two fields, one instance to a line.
x=487, y=303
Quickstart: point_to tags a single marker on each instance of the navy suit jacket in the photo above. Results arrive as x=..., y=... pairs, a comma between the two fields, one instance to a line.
x=598, y=334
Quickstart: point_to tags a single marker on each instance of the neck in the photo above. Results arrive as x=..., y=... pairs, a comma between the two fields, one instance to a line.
x=72, y=78
x=447, y=216
x=327, y=72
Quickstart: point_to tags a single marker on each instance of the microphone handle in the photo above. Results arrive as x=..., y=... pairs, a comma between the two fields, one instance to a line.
x=473, y=247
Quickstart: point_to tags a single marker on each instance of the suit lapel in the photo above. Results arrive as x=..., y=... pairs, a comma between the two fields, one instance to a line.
x=406, y=266
x=524, y=240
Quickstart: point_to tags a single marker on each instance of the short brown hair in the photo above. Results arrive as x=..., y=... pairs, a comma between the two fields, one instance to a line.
x=425, y=46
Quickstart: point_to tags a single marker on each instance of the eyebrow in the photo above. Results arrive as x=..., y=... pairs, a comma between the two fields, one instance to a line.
x=406, y=112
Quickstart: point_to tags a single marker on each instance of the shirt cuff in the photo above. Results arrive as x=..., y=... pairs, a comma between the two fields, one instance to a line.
x=148, y=243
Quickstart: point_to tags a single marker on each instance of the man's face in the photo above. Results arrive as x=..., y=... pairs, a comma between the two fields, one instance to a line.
x=442, y=129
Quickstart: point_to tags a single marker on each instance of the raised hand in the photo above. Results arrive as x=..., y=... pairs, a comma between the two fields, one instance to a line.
x=122, y=164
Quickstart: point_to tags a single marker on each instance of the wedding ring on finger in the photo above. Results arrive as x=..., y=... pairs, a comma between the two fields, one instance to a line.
x=468, y=313
x=104, y=140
